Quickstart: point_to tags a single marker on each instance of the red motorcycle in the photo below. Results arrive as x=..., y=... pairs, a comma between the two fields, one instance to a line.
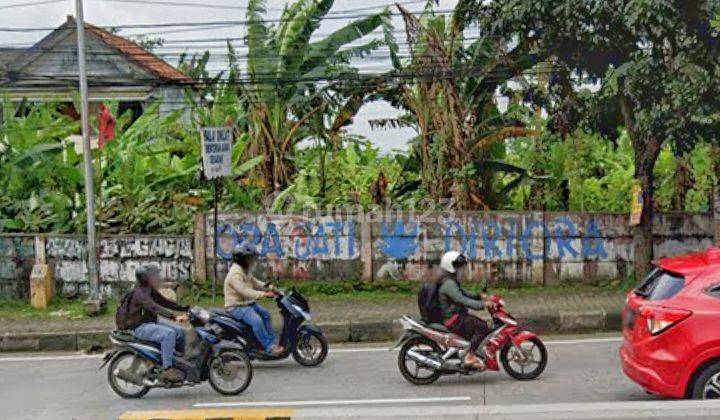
x=430, y=351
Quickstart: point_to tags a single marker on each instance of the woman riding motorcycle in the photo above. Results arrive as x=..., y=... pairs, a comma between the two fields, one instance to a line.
x=241, y=291
x=454, y=304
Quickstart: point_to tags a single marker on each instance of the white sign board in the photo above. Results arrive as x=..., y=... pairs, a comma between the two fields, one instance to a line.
x=216, y=151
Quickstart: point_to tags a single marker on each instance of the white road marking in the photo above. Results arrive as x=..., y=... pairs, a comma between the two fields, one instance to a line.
x=331, y=402
x=50, y=358
x=585, y=341
x=332, y=350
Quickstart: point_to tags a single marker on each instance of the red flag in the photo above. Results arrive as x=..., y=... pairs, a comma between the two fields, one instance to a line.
x=106, y=126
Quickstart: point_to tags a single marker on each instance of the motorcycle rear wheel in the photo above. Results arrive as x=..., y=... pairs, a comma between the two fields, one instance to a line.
x=426, y=346
x=529, y=346
x=121, y=387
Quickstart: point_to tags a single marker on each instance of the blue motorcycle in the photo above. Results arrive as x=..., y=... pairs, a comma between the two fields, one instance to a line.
x=134, y=365
x=305, y=342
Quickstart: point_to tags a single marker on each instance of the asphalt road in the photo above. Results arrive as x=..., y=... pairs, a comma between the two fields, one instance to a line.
x=53, y=386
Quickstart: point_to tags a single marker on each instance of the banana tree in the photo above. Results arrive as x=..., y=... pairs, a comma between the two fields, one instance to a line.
x=283, y=70
x=450, y=101
x=39, y=171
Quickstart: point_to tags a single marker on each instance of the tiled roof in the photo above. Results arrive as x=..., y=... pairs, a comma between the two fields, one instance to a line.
x=137, y=54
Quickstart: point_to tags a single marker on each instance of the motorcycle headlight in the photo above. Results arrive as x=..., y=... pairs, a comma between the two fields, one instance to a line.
x=202, y=314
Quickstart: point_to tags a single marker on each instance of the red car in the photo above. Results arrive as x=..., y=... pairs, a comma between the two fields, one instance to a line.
x=671, y=328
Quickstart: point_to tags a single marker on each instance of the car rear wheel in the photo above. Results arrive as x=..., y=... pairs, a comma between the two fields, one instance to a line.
x=707, y=385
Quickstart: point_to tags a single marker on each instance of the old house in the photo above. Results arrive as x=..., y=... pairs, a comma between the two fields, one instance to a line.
x=118, y=70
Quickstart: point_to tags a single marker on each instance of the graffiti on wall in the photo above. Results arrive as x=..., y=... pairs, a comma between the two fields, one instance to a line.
x=119, y=257
x=518, y=238
x=327, y=238
x=121, y=247
x=294, y=237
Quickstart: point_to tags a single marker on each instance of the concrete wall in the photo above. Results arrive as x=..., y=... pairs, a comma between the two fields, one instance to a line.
x=17, y=255
x=295, y=246
x=67, y=257
x=507, y=247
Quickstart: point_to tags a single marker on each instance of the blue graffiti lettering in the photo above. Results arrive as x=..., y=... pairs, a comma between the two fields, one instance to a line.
x=526, y=237
x=592, y=243
x=305, y=253
x=271, y=242
x=490, y=235
x=337, y=229
x=399, y=244
x=510, y=242
x=320, y=242
x=563, y=237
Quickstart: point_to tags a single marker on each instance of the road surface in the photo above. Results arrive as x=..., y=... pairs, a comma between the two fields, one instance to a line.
x=580, y=369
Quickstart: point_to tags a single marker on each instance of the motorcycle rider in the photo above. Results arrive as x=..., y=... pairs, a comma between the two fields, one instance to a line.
x=141, y=309
x=454, y=304
x=242, y=290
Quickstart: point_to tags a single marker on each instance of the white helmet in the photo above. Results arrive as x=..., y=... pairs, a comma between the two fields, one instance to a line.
x=450, y=260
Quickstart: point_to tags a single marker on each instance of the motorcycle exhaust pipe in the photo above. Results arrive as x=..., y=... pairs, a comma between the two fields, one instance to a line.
x=128, y=376
x=424, y=359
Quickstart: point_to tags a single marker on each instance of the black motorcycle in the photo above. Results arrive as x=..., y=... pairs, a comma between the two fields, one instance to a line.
x=134, y=365
x=305, y=342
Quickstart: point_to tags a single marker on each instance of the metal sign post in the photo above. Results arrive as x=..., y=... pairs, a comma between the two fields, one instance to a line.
x=217, y=157
x=93, y=275
x=216, y=184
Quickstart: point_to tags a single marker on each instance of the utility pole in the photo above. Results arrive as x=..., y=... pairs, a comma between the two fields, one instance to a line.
x=93, y=305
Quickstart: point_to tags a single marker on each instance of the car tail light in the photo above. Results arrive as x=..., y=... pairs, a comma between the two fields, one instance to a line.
x=659, y=318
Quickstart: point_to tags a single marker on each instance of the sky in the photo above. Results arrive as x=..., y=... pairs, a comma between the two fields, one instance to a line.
x=108, y=13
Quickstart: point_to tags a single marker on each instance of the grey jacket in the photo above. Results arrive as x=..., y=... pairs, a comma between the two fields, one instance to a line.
x=454, y=300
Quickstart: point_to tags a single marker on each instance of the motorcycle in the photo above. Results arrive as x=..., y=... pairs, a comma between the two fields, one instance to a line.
x=305, y=342
x=430, y=351
x=134, y=365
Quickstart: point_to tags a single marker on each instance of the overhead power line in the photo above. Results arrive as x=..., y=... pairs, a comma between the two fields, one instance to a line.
x=234, y=7
x=30, y=3
x=213, y=23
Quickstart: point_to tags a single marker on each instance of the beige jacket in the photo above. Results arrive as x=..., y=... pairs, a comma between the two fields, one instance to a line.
x=242, y=288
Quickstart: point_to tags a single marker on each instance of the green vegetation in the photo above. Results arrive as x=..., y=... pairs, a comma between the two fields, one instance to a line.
x=596, y=97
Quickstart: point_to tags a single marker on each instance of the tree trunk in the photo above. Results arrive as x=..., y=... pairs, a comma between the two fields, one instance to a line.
x=646, y=154
x=682, y=183
x=715, y=199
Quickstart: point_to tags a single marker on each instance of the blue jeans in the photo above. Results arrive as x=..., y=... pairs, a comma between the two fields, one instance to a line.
x=169, y=337
x=258, y=318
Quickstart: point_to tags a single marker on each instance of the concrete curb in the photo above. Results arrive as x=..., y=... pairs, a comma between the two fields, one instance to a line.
x=336, y=332
x=562, y=411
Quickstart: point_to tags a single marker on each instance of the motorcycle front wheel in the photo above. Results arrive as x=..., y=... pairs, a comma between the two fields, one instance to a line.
x=311, y=349
x=125, y=388
x=230, y=373
x=526, y=362
x=414, y=371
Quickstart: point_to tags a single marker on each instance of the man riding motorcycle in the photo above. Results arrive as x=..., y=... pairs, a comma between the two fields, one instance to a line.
x=139, y=313
x=241, y=291
x=454, y=304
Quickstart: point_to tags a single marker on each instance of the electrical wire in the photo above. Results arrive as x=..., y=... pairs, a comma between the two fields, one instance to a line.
x=31, y=3
x=215, y=23
x=231, y=7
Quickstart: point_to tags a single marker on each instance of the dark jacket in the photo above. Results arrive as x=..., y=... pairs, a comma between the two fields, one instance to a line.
x=454, y=301
x=146, y=304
